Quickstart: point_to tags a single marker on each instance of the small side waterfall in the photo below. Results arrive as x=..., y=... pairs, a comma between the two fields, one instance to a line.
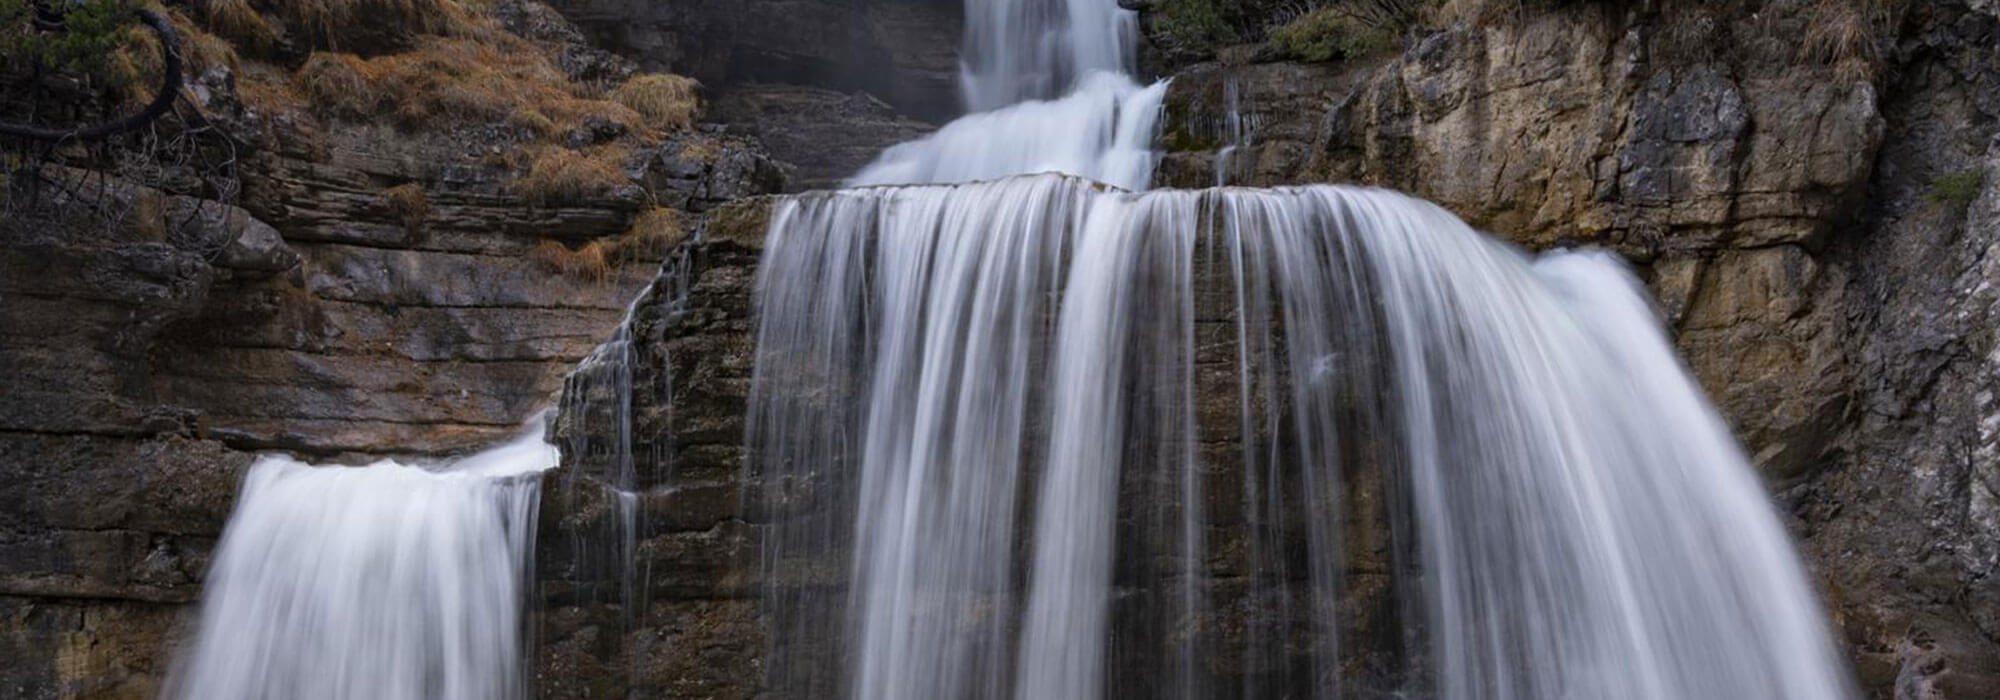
x=386, y=582
x=1012, y=408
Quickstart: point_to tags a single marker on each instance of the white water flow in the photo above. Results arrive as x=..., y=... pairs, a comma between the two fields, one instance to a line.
x=1050, y=87
x=1064, y=442
x=391, y=581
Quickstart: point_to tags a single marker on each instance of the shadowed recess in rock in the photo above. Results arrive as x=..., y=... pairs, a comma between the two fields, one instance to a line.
x=1034, y=438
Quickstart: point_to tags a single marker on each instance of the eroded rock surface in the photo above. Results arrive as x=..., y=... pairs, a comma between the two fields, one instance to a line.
x=372, y=290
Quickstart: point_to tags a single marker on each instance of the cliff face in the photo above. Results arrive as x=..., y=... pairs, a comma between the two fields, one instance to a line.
x=1819, y=236
x=1820, y=231
x=369, y=289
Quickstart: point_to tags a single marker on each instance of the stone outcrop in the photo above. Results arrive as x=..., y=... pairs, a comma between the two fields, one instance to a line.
x=661, y=600
x=370, y=291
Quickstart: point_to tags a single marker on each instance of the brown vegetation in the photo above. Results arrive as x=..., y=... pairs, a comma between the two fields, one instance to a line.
x=408, y=203
x=559, y=175
x=588, y=262
x=236, y=21
x=1847, y=34
x=667, y=101
x=653, y=233
x=453, y=80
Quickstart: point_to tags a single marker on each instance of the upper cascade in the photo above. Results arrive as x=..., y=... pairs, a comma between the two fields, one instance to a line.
x=1050, y=87
x=1039, y=49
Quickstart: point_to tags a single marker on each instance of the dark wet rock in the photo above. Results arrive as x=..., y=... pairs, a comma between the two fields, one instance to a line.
x=904, y=52
x=826, y=135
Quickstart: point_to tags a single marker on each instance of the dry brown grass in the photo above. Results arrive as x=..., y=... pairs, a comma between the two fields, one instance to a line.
x=653, y=233
x=1847, y=34
x=560, y=175
x=269, y=88
x=344, y=24
x=588, y=262
x=456, y=80
x=667, y=101
x=533, y=122
x=238, y=22
x=408, y=203
x=136, y=65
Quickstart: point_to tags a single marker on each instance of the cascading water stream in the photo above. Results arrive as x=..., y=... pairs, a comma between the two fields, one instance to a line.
x=1056, y=377
x=386, y=582
x=1050, y=86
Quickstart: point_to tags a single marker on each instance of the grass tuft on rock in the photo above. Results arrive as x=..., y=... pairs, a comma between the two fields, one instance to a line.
x=408, y=203
x=560, y=175
x=653, y=233
x=1847, y=34
x=668, y=102
x=588, y=262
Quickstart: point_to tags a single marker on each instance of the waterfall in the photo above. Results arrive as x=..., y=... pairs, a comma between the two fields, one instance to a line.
x=1070, y=442
x=1038, y=49
x=392, y=581
x=1050, y=86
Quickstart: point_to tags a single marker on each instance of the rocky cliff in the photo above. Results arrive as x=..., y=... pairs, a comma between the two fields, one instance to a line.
x=354, y=286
